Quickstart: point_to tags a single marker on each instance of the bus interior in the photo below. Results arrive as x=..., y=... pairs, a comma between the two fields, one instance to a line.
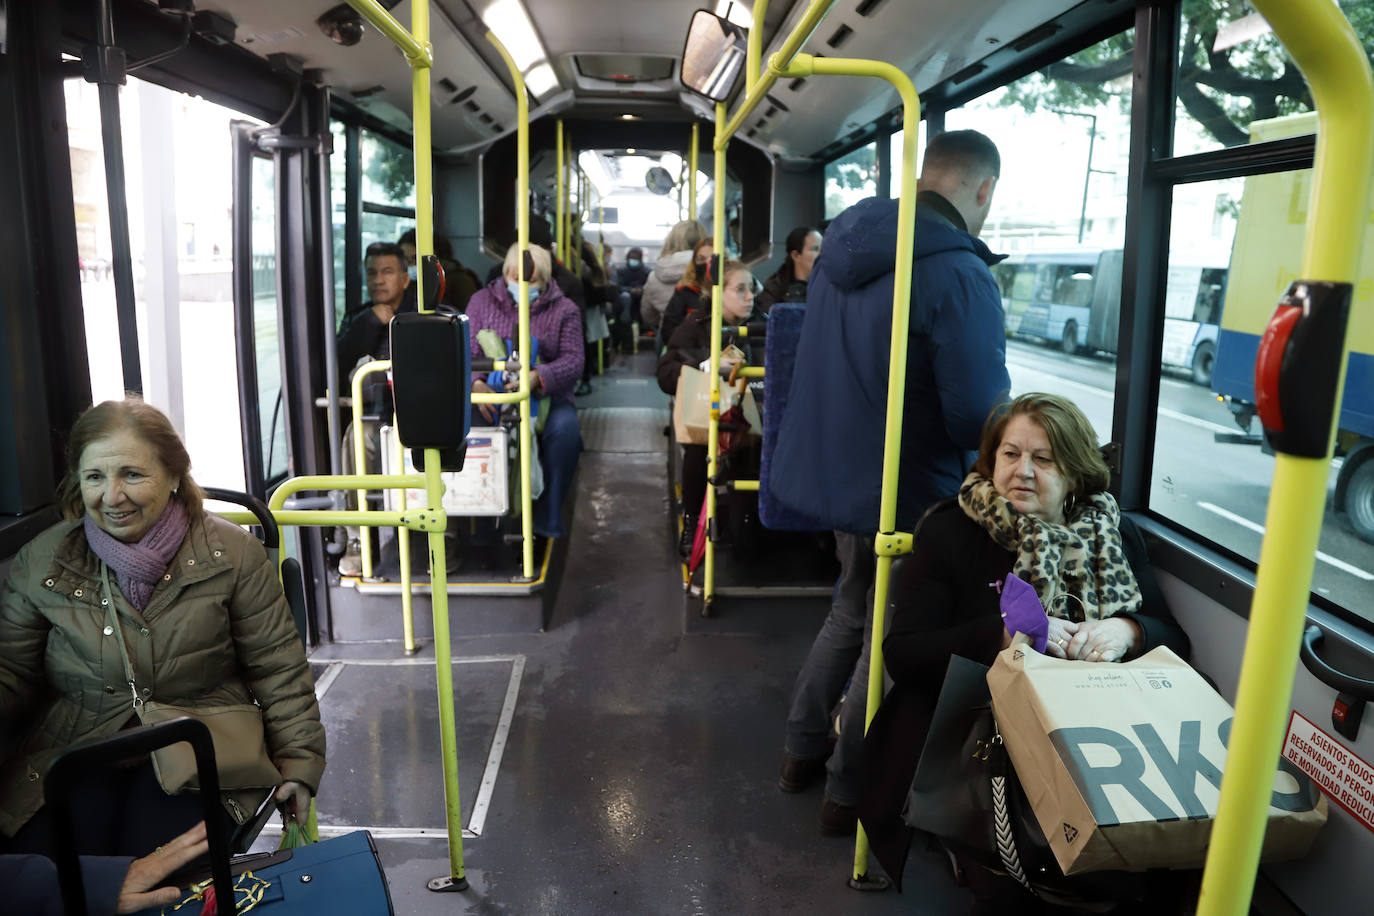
x=619, y=722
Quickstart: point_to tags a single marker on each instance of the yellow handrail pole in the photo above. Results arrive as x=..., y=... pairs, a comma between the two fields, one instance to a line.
x=413, y=48
x=567, y=204
x=889, y=543
x=708, y=592
x=1332, y=61
x=558, y=191
x=754, y=49
x=434, y=485
x=692, y=152
x=403, y=545
x=522, y=224
x=776, y=65
x=359, y=451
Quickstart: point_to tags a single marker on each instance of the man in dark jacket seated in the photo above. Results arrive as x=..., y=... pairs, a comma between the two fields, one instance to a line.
x=829, y=458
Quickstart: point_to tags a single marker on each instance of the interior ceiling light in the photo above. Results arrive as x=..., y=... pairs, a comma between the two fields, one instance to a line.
x=342, y=24
x=510, y=22
x=629, y=117
x=630, y=151
x=540, y=80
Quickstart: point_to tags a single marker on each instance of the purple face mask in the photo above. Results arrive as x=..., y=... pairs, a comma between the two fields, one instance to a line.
x=1023, y=613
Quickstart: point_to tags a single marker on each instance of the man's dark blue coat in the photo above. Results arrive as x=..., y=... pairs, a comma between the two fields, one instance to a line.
x=829, y=457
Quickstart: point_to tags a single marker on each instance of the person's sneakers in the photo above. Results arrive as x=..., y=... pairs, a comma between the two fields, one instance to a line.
x=689, y=533
x=799, y=772
x=351, y=563
x=837, y=819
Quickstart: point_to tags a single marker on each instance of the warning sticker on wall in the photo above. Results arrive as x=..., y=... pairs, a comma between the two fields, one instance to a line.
x=1346, y=779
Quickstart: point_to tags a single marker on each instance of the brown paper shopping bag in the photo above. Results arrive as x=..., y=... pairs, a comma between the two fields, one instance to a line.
x=1122, y=762
x=692, y=407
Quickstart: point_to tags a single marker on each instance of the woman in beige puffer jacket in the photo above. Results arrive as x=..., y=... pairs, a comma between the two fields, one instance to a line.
x=214, y=629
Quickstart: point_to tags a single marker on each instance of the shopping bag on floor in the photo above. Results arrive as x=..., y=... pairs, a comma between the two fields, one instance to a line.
x=1122, y=763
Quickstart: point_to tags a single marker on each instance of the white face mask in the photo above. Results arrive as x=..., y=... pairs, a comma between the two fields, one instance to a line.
x=413, y=272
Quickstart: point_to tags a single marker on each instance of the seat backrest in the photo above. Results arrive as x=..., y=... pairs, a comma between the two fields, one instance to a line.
x=780, y=356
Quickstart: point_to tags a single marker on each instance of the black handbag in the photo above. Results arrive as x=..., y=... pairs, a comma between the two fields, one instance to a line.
x=966, y=794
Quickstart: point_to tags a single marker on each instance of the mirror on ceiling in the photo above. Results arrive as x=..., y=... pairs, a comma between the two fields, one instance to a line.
x=659, y=180
x=713, y=55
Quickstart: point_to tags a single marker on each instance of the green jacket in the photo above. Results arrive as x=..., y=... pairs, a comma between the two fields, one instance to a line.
x=216, y=631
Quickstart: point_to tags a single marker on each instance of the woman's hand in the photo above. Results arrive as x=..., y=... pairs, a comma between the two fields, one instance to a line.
x=293, y=800
x=1061, y=637
x=1108, y=640
x=536, y=382
x=140, y=890
x=488, y=411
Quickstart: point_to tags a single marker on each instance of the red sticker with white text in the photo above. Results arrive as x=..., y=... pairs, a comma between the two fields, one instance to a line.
x=1345, y=778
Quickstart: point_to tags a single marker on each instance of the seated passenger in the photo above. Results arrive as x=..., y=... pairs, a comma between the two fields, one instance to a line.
x=692, y=293
x=198, y=605
x=629, y=281
x=1036, y=505
x=691, y=346
x=459, y=282
x=556, y=324
x=672, y=261
x=788, y=284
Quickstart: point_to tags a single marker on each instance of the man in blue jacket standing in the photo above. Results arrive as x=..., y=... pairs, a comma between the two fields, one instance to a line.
x=829, y=457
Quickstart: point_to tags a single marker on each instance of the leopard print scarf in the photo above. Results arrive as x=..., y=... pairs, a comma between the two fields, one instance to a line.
x=1078, y=570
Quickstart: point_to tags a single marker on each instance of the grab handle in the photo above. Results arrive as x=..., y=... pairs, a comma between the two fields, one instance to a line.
x=1357, y=687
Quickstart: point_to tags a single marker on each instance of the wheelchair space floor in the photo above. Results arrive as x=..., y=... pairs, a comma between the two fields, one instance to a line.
x=622, y=761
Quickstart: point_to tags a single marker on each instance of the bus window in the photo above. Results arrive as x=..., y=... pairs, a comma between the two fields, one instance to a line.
x=1230, y=45
x=1060, y=214
x=851, y=178
x=1210, y=471
x=177, y=166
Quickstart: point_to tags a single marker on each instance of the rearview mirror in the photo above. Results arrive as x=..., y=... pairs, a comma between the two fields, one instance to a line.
x=713, y=55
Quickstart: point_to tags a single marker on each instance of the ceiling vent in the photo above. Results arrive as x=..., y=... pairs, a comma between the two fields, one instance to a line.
x=840, y=37
x=867, y=7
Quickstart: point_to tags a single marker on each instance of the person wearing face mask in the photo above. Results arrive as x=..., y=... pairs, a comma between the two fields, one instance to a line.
x=459, y=282
x=689, y=346
x=788, y=283
x=556, y=324
x=692, y=293
x=630, y=281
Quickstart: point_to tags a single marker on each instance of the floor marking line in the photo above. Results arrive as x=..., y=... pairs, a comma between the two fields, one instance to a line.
x=384, y=833
x=478, y=820
x=427, y=661
x=1324, y=557
x=331, y=674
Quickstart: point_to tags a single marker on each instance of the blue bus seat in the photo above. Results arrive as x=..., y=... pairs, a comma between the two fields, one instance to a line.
x=780, y=356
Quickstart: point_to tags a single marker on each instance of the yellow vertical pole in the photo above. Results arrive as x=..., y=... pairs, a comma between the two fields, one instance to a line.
x=434, y=487
x=360, y=467
x=692, y=152
x=1331, y=58
x=522, y=224
x=403, y=544
x=559, y=189
x=708, y=591
x=754, y=49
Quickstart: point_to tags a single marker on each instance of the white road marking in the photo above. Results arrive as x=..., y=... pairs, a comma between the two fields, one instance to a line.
x=478, y=818
x=1259, y=529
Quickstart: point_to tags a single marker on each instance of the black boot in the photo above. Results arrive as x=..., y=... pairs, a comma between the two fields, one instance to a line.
x=689, y=533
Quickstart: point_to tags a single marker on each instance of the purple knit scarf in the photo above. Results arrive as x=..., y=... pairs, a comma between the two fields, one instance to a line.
x=138, y=567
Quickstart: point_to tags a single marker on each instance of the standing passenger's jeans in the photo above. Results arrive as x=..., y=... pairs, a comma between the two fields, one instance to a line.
x=839, y=651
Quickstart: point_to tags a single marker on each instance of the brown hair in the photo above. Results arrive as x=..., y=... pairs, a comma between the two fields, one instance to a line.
x=689, y=276
x=1071, y=436
x=149, y=424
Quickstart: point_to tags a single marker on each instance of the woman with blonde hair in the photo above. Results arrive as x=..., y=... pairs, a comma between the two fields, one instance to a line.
x=667, y=273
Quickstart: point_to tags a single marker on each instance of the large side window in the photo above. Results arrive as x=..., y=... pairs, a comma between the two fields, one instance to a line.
x=1232, y=71
x=178, y=196
x=1059, y=212
x=1211, y=471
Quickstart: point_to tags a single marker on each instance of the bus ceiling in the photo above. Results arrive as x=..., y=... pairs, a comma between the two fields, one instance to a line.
x=577, y=68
